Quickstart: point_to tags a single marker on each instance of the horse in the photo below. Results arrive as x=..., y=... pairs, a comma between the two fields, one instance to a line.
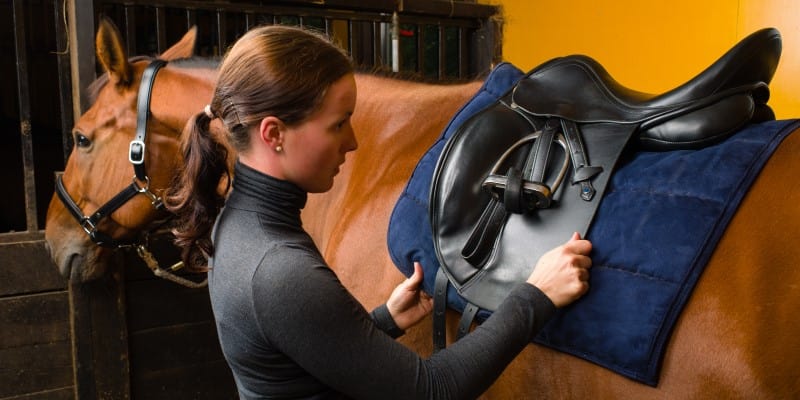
x=734, y=339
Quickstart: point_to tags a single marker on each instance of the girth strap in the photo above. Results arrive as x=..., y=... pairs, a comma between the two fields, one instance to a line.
x=467, y=317
x=440, y=311
x=440, y=316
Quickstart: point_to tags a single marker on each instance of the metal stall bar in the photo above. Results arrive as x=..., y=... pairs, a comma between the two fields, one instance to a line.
x=442, y=52
x=23, y=91
x=222, y=28
x=161, y=31
x=463, y=53
x=64, y=79
x=130, y=28
x=468, y=17
x=191, y=18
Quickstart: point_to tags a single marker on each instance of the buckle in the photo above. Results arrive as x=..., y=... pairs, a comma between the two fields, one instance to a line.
x=136, y=152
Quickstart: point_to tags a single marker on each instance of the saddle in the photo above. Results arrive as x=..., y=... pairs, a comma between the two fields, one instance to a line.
x=518, y=178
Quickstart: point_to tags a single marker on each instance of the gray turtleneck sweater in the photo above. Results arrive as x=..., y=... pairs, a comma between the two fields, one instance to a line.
x=289, y=328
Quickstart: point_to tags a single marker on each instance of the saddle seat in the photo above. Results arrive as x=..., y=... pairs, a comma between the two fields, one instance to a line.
x=579, y=89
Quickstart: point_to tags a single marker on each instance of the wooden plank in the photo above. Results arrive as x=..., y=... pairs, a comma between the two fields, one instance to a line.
x=181, y=361
x=157, y=303
x=35, y=369
x=99, y=339
x=34, y=319
x=174, y=347
x=35, y=352
x=25, y=267
x=210, y=381
x=66, y=393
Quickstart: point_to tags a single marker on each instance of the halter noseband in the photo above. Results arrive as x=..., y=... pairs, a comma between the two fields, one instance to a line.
x=136, y=157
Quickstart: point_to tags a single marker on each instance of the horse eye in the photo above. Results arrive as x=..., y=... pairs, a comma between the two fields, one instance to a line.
x=82, y=141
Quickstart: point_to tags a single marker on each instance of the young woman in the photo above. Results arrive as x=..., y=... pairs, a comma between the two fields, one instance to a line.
x=287, y=326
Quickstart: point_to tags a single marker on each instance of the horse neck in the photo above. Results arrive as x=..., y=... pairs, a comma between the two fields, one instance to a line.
x=181, y=94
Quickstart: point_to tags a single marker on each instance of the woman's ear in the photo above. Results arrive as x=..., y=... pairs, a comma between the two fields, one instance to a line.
x=271, y=132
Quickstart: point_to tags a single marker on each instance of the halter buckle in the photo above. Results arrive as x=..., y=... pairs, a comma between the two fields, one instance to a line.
x=136, y=152
x=88, y=226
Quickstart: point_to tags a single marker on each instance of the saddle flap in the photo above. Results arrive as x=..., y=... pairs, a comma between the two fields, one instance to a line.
x=458, y=202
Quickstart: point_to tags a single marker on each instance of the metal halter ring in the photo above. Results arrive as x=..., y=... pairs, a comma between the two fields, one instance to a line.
x=541, y=192
x=145, y=190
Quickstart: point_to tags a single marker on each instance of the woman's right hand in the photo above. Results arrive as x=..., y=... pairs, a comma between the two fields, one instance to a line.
x=563, y=273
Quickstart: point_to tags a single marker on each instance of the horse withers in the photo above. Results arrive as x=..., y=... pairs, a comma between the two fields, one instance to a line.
x=735, y=338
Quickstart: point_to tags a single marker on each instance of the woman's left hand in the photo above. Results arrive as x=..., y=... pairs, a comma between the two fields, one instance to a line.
x=408, y=304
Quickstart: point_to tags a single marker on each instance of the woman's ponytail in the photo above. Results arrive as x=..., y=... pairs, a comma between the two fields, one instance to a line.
x=195, y=198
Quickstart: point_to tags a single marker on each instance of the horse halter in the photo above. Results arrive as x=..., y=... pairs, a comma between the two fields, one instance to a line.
x=136, y=157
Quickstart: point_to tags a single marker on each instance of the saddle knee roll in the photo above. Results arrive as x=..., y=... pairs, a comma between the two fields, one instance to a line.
x=701, y=127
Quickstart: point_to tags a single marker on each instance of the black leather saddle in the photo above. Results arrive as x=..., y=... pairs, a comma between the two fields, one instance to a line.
x=519, y=177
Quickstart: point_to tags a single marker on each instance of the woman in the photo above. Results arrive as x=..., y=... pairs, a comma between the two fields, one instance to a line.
x=287, y=326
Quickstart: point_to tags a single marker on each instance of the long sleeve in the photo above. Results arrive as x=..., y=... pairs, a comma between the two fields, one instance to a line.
x=289, y=329
x=307, y=314
x=384, y=321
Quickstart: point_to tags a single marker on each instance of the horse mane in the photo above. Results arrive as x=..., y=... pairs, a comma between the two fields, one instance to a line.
x=93, y=90
x=416, y=77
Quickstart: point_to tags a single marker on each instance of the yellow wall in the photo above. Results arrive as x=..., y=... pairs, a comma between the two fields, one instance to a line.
x=654, y=45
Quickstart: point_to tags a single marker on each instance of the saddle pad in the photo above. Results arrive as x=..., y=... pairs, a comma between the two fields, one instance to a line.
x=410, y=236
x=646, y=262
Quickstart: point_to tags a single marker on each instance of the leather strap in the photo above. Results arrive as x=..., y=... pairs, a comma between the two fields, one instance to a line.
x=440, y=316
x=137, y=146
x=477, y=248
x=440, y=311
x=580, y=162
x=467, y=317
x=89, y=223
x=540, y=153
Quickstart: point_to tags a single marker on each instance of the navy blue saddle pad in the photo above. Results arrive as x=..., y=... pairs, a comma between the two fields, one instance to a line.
x=661, y=218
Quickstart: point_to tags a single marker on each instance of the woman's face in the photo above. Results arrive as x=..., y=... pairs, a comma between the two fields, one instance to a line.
x=316, y=148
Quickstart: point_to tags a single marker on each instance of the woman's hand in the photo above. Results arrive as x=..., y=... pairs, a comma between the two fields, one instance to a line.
x=408, y=304
x=562, y=274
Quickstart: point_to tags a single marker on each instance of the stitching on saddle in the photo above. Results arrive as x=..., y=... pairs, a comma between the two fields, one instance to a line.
x=638, y=274
x=616, y=191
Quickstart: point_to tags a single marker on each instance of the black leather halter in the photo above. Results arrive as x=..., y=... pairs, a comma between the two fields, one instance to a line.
x=140, y=183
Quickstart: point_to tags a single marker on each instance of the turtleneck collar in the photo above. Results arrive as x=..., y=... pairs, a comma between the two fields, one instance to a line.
x=256, y=191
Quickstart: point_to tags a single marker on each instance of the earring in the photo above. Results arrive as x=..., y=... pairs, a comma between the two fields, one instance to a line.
x=278, y=148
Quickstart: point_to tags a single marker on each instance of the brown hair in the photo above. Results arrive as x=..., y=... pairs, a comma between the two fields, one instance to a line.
x=275, y=70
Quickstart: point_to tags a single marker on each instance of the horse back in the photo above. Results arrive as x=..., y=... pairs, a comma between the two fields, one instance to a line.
x=737, y=335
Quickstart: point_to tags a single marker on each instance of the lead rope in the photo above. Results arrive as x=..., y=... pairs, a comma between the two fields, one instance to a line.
x=167, y=274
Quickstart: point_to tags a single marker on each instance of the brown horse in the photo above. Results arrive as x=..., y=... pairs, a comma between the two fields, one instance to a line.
x=735, y=339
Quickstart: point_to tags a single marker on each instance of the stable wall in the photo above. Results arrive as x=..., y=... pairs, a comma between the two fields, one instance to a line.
x=653, y=46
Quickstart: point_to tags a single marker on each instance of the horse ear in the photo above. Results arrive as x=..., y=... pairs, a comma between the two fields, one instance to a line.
x=183, y=49
x=111, y=53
